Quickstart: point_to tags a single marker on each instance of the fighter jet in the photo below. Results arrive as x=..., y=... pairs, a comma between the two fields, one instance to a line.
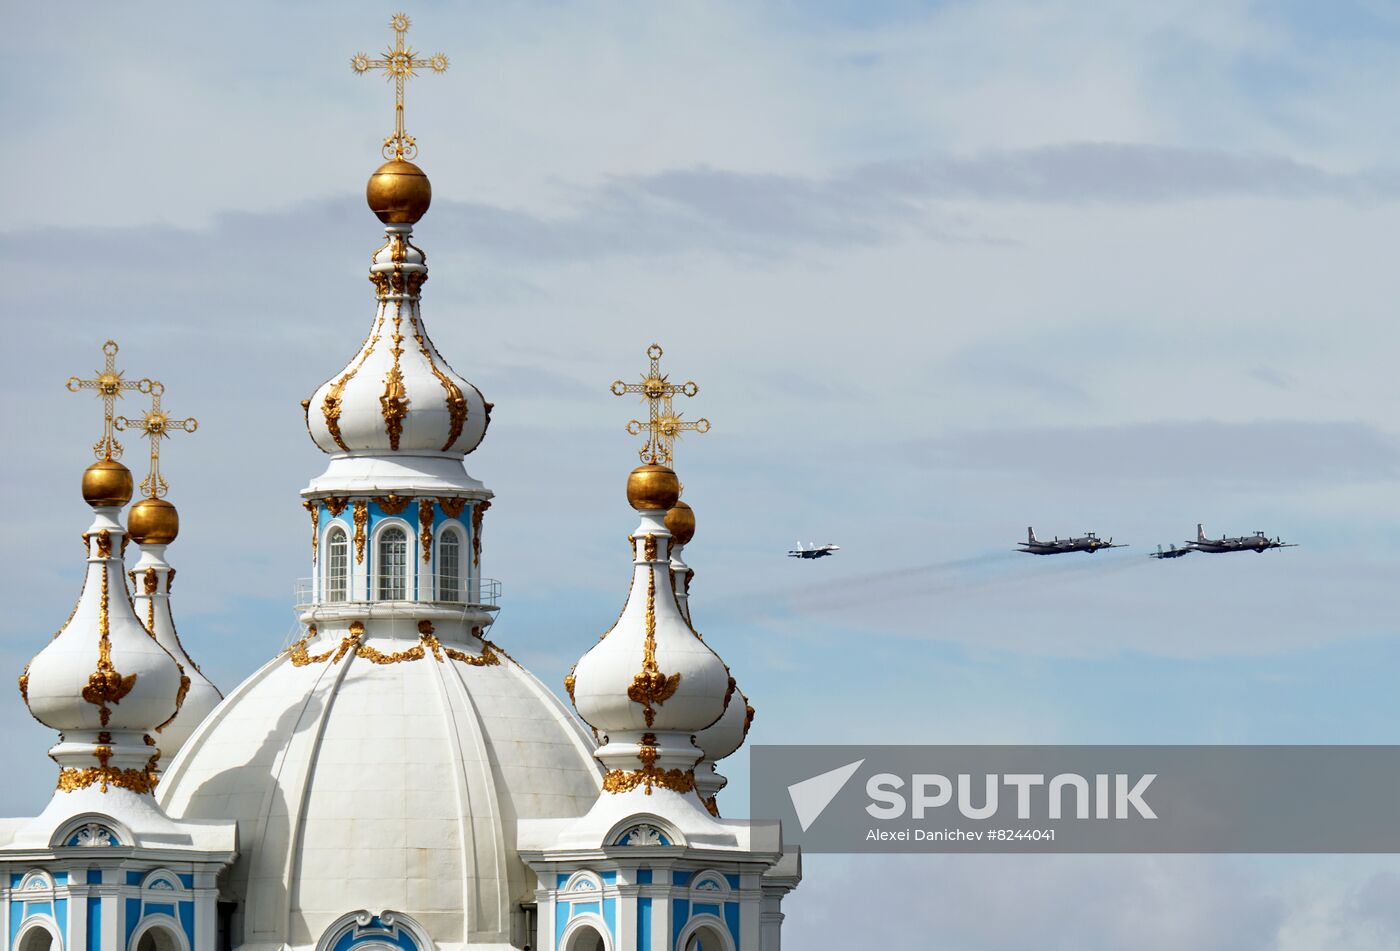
x=815, y=551
x=1087, y=542
x=1258, y=542
x=1172, y=552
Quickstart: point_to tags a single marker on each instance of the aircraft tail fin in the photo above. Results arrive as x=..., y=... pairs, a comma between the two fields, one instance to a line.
x=1200, y=532
x=1030, y=535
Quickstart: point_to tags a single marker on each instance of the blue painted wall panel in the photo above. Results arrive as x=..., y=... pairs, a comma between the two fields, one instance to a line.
x=680, y=913
x=731, y=918
x=94, y=923
x=187, y=920
x=133, y=914
x=643, y=924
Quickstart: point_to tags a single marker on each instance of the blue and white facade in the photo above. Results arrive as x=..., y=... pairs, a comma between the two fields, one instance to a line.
x=78, y=902
x=103, y=867
x=650, y=892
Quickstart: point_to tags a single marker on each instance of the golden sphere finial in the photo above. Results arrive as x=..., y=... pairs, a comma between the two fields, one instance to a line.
x=398, y=192
x=107, y=484
x=680, y=522
x=153, y=522
x=653, y=487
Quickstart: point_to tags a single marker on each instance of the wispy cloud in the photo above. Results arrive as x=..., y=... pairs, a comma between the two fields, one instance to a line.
x=733, y=212
x=1266, y=452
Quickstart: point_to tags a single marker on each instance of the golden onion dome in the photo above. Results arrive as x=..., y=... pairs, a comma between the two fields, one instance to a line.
x=398, y=192
x=106, y=484
x=153, y=522
x=653, y=487
x=680, y=522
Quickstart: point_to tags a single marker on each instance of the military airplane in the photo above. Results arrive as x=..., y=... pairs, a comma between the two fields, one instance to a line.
x=1088, y=542
x=815, y=551
x=1172, y=552
x=1258, y=542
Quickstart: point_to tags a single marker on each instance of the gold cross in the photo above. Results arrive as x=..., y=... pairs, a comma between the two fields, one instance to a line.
x=155, y=426
x=664, y=425
x=109, y=385
x=399, y=63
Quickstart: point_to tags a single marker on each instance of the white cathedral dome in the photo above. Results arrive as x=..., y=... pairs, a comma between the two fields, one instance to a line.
x=387, y=775
x=379, y=766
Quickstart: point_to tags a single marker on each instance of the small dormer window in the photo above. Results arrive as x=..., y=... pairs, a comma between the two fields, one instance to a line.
x=337, y=564
x=450, y=566
x=393, y=565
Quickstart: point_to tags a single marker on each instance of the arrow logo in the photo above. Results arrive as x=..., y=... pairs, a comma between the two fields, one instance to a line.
x=811, y=796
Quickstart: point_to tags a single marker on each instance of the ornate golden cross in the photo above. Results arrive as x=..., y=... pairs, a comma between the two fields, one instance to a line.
x=399, y=63
x=664, y=425
x=109, y=385
x=155, y=426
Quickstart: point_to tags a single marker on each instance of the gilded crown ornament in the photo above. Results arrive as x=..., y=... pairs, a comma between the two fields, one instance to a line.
x=400, y=63
x=664, y=425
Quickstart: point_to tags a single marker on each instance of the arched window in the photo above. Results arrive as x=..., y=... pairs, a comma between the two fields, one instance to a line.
x=157, y=939
x=705, y=939
x=393, y=565
x=36, y=939
x=337, y=564
x=586, y=938
x=450, y=566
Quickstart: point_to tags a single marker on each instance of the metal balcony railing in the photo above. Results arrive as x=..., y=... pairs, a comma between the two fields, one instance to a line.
x=490, y=596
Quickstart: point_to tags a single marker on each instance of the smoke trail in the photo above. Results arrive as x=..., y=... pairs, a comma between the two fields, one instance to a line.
x=850, y=585
x=1018, y=577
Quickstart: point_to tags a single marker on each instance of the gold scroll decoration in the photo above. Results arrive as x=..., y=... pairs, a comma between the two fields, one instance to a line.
x=651, y=687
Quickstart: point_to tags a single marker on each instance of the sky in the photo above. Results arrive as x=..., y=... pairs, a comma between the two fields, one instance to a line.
x=941, y=270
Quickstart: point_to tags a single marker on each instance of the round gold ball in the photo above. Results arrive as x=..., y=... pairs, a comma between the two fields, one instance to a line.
x=398, y=192
x=153, y=522
x=652, y=487
x=680, y=522
x=107, y=483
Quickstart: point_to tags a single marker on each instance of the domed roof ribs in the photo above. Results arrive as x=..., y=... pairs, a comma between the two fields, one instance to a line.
x=487, y=910
x=271, y=882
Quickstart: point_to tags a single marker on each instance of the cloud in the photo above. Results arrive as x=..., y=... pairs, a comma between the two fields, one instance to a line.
x=1264, y=452
x=1095, y=903
x=761, y=214
x=1120, y=172
x=999, y=903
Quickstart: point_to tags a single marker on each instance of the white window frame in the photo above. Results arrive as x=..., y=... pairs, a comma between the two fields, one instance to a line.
x=328, y=565
x=376, y=567
x=459, y=533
